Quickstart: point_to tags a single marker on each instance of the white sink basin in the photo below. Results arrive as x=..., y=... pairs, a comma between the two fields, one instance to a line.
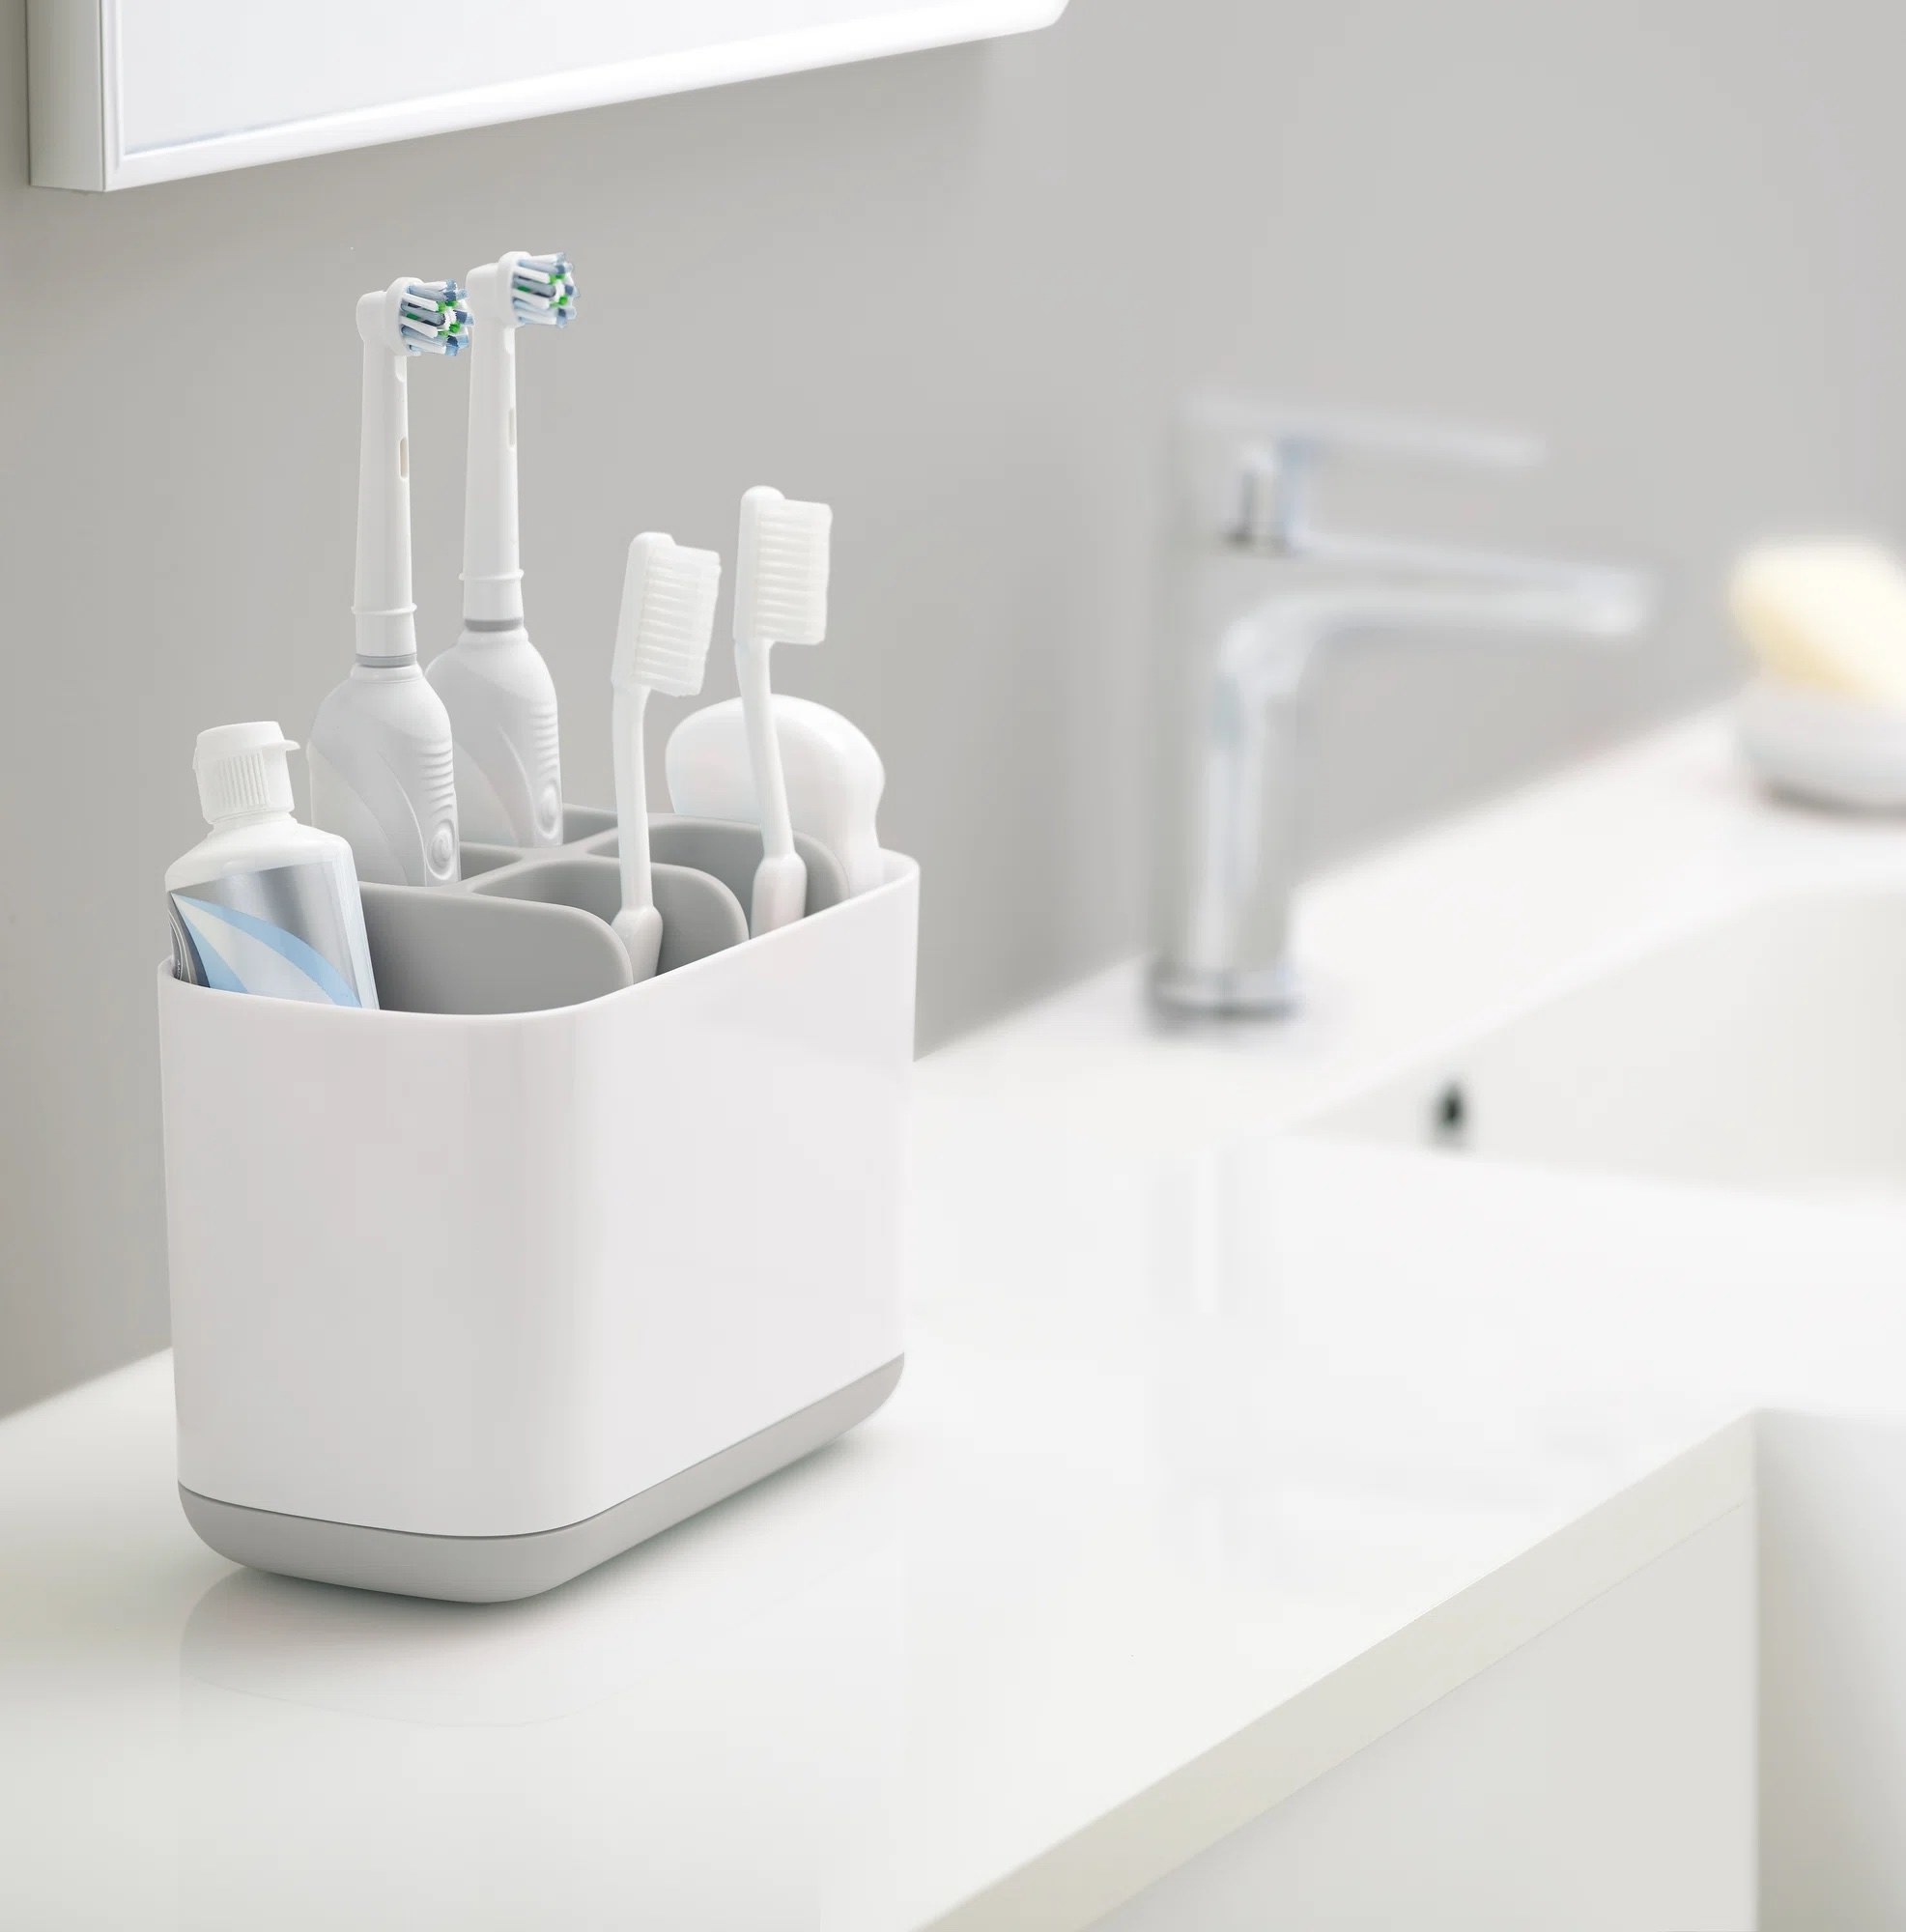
x=1766, y=1050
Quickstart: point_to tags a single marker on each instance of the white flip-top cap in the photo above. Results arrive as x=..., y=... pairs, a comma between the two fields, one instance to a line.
x=242, y=768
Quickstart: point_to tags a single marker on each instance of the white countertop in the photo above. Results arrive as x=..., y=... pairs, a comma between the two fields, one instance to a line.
x=1221, y=1450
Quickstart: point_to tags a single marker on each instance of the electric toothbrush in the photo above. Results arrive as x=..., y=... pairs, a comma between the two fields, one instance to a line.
x=661, y=645
x=779, y=597
x=380, y=753
x=492, y=680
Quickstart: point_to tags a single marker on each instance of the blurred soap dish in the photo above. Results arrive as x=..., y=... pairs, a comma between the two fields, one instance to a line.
x=1822, y=747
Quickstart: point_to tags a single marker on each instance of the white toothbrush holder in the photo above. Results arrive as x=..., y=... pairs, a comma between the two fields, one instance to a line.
x=464, y=1303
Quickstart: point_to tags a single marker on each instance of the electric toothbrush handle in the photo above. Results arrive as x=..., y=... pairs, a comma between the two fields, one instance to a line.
x=493, y=561
x=631, y=798
x=383, y=606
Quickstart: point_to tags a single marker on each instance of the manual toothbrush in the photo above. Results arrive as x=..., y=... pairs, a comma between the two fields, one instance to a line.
x=499, y=690
x=779, y=597
x=661, y=645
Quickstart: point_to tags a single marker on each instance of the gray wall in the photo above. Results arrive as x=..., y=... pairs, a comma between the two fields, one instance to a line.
x=953, y=294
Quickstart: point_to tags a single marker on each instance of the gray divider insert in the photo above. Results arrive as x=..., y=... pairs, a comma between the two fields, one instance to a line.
x=454, y=952
x=699, y=914
x=585, y=821
x=524, y=932
x=729, y=851
x=480, y=859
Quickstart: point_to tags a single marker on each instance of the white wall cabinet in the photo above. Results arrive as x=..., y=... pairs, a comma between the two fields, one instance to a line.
x=126, y=91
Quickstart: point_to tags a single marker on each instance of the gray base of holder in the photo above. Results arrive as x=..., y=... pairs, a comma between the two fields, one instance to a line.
x=496, y=1569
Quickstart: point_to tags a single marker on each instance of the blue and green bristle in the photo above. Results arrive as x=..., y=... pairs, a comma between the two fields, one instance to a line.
x=543, y=288
x=433, y=320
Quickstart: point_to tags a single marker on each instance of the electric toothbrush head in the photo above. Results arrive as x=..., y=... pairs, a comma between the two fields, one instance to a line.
x=520, y=289
x=542, y=289
x=411, y=317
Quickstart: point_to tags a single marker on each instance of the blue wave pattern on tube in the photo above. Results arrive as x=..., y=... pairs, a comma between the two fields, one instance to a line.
x=251, y=946
x=218, y=937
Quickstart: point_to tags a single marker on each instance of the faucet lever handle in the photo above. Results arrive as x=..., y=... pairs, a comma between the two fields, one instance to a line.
x=1280, y=455
x=1452, y=444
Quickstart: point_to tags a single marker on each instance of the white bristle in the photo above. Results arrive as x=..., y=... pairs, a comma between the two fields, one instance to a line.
x=668, y=615
x=780, y=569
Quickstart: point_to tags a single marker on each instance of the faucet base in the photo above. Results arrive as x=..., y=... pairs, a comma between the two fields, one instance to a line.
x=1265, y=992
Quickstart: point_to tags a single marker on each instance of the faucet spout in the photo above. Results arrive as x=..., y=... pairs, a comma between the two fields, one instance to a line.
x=1267, y=653
x=1226, y=946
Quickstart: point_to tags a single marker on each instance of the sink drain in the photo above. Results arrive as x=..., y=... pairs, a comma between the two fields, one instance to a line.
x=1449, y=1117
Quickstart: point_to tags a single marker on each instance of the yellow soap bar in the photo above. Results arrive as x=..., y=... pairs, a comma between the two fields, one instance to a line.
x=1829, y=614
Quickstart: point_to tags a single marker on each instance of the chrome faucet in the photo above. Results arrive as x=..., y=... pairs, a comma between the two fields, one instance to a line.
x=1257, y=594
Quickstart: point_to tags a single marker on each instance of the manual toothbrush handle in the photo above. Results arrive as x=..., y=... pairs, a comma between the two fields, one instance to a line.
x=639, y=925
x=779, y=597
x=781, y=879
x=661, y=645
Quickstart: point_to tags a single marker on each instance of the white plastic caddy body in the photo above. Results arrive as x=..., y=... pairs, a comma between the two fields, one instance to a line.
x=463, y=1306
